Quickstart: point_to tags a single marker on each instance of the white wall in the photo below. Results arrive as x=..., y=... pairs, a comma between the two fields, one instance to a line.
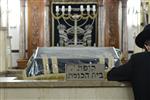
x=133, y=22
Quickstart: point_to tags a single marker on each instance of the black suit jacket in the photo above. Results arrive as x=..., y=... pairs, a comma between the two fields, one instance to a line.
x=137, y=71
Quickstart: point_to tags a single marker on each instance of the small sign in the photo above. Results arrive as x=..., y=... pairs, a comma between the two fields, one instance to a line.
x=84, y=71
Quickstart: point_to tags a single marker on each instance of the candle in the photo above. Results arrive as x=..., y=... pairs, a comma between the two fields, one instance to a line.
x=88, y=8
x=69, y=8
x=63, y=9
x=94, y=8
x=57, y=8
x=81, y=8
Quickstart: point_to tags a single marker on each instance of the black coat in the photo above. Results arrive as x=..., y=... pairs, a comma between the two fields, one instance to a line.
x=137, y=71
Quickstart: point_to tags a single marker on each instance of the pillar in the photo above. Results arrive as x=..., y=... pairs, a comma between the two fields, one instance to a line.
x=124, y=34
x=22, y=61
x=111, y=24
x=5, y=45
x=35, y=25
x=8, y=51
x=101, y=21
x=46, y=24
x=22, y=35
x=3, y=57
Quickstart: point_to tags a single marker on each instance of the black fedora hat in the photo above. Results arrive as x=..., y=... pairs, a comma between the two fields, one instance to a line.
x=143, y=36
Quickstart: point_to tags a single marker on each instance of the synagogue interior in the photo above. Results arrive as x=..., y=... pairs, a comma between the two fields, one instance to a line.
x=62, y=49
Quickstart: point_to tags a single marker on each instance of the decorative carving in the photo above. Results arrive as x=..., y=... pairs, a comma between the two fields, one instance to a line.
x=73, y=0
x=76, y=23
x=35, y=16
x=36, y=24
x=63, y=38
x=112, y=27
x=64, y=35
x=87, y=39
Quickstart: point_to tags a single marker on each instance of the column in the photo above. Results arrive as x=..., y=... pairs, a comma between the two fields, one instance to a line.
x=111, y=24
x=124, y=34
x=46, y=24
x=2, y=44
x=5, y=45
x=3, y=39
x=22, y=61
x=101, y=21
x=35, y=25
x=8, y=52
x=22, y=35
x=5, y=50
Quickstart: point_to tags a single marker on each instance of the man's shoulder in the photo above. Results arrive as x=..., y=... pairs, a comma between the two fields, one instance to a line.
x=140, y=54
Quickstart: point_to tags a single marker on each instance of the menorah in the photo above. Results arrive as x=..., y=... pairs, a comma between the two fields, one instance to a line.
x=65, y=12
x=79, y=15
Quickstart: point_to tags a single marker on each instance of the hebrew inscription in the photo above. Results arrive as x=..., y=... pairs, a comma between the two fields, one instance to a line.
x=84, y=72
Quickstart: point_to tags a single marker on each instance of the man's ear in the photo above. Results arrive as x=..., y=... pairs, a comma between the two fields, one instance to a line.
x=147, y=47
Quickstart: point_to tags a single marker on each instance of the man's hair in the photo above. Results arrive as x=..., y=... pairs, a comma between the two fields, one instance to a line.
x=147, y=42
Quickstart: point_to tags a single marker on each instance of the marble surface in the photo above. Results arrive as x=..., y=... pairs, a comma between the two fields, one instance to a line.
x=7, y=78
x=12, y=79
x=12, y=82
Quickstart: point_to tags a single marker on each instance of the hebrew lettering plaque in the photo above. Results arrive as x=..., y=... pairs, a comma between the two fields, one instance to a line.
x=84, y=71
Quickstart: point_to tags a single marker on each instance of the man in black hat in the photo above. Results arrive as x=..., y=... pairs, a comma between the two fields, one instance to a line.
x=137, y=69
